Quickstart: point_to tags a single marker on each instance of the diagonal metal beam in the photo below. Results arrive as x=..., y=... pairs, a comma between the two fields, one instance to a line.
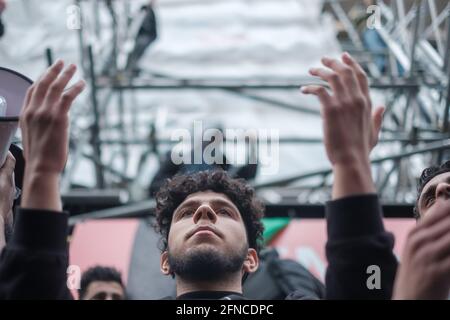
x=397, y=156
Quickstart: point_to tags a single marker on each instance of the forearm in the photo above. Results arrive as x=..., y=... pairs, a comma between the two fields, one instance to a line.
x=357, y=240
x=353, y=178
x=41, y=191
x=34, y=263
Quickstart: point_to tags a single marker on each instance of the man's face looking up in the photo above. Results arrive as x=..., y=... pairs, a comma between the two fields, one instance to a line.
x=435, y=195
x=207, y=239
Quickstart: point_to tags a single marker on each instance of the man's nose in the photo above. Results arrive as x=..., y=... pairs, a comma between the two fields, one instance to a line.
x=443, y=190
x=205, y=212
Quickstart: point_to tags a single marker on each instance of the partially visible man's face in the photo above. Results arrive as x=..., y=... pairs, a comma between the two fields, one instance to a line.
x=435, y=195
x=104, y=290
x=207, y=238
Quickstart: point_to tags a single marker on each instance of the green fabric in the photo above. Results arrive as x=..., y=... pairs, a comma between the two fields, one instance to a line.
x=272, y=226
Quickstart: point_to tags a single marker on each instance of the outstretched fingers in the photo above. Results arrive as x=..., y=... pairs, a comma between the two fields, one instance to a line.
x=41, y=88
x=70, y=95
x=320, y=92
x=332, y=78
x=56, y=89
x=361, y=75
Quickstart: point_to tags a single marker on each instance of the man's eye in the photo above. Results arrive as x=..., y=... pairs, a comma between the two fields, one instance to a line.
x=187, y=213
x=224, y=211
x=429, y=201
x=99, y=296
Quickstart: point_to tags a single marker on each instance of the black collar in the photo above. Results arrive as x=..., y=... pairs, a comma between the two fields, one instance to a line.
x=207, y=295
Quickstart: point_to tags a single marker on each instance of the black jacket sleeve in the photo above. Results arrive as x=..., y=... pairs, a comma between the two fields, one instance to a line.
x=356, y=241
x=34, y=263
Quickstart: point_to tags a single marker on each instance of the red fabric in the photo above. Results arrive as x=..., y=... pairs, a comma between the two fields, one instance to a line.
x=104, y=242
x=110, y=243
x=304, y=240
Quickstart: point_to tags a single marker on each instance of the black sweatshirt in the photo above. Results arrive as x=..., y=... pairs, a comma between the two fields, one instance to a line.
x=356, y=241
x=34, y=264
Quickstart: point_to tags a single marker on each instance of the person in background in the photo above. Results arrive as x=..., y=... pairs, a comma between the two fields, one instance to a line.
x=168, y=168
x=425, y=269
x=102, y=283
x=147, y=34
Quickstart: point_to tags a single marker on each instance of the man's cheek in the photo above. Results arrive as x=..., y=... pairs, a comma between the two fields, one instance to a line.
x=171, y=242
x=439, y=206
x=236, y=239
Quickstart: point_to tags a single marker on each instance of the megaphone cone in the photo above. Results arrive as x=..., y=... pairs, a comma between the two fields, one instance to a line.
x=13, y=89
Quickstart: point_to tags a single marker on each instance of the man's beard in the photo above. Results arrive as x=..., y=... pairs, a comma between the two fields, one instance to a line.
x=207, y=264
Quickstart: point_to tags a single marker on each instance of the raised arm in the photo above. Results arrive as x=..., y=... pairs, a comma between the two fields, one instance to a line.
x=357, y=241
x=34, y=263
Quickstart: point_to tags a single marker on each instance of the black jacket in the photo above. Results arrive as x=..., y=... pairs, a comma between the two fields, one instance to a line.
x=356, y=241
x=34, y=263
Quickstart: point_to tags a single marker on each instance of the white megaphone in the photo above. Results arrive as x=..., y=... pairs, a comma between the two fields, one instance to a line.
x=13, y=89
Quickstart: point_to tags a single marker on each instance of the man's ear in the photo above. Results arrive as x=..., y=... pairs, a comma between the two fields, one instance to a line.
x=251, y=263
x=164, y=263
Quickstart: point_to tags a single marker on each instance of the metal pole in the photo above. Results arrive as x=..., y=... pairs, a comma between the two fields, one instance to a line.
x=49, y=56
x=428, y=148
x=447, y=70
x=95, y=127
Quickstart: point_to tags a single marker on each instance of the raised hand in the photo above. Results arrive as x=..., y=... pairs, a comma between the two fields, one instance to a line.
x=45, y=129
x=350, y=129
x=425, y=265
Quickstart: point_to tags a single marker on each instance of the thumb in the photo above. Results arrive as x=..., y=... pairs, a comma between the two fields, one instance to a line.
x=377, y=119
x=9, y=164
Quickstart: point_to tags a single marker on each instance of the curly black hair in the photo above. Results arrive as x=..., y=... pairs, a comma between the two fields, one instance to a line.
x=425, y=177
x=99, y=273
x=178, y=188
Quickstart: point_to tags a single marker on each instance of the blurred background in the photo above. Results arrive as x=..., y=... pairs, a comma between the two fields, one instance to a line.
x=153, y=67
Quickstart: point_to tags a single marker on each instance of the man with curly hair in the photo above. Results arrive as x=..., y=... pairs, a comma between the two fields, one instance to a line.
x=211, y=232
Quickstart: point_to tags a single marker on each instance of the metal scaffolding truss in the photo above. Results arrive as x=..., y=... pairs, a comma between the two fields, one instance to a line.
x=409, y=65
x=415, y=48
